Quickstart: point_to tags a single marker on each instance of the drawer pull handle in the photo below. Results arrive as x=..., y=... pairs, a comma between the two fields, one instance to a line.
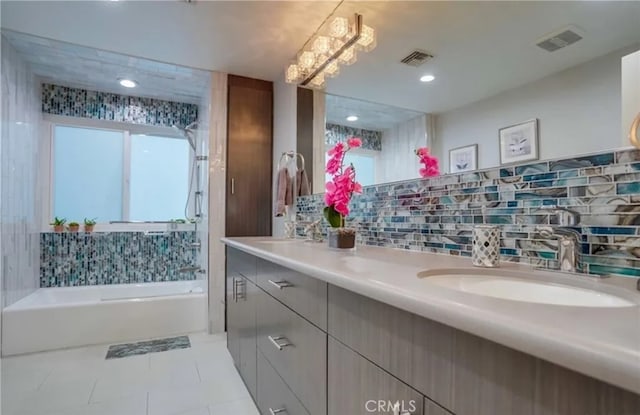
x=277, y=411
x=280, y=342
x=280, y=284
x=237, y=285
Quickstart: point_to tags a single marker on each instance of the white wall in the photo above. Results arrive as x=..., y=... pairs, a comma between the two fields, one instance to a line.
x=578, y=112
x=397, y=160
x=284, y=136
x=20, y=198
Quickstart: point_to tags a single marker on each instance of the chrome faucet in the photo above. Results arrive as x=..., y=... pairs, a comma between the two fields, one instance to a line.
x=313, y=231
x=569, y=240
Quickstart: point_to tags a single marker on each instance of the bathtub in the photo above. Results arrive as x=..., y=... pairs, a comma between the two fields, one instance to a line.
x=56, y=318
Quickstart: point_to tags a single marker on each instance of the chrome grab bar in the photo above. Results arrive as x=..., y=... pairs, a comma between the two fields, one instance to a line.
x=280, y=284
x=278, y=345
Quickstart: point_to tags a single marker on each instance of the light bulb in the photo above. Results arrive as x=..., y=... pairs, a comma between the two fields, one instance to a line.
x=367, y=40
x=292, y=73
x=339, y=27
x=317, y=81
x=321, y=45
x=332, y=69
x=306, y=60
x=348, y=56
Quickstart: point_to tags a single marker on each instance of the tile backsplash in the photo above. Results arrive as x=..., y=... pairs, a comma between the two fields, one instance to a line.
x=75, y=259
x=76, y=102
x=335, y=133
x=438, y=214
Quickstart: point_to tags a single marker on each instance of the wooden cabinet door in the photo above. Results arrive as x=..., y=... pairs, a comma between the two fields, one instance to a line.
x=358, y=387
x=249, y=157
x=247, y=293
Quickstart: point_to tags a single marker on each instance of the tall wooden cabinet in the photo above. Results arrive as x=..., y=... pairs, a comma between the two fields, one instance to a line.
x=249, y=157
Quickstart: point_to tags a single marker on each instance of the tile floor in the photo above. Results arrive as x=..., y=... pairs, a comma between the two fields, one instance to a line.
x=200, y=380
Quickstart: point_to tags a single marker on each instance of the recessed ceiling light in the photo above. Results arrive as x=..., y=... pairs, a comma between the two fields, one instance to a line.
x=427, y=78
x=352, y=118
x=128, y=83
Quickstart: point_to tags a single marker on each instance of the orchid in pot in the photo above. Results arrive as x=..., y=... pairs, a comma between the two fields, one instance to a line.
x=339, y=192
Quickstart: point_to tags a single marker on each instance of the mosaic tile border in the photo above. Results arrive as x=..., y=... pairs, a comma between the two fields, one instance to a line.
x=76, y=102
x=335, y=133
x=438, y=214
x=77, y=259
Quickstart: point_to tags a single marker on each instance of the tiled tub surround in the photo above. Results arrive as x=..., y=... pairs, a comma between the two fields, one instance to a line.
x=75, y=102
x=438, y=214
x=19, y=183
x=76, y=259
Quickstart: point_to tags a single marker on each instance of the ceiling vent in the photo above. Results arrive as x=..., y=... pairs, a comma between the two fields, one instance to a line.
x=416, y=58
x=559, y=39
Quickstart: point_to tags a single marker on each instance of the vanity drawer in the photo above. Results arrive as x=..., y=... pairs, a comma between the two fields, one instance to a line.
x=357, y=386
x=239, y=262
x=305, y=295
x=297, y=350
x=274, y=396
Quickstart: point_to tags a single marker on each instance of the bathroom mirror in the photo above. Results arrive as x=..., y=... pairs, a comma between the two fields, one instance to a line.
x=549, y=80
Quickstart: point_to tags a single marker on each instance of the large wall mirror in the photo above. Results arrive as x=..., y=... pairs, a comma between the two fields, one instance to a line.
x=512, y=82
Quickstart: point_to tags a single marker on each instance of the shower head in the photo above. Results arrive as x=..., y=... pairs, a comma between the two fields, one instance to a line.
x=187, y=133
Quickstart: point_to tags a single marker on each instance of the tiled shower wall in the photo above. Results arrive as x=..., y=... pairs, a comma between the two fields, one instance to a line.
x=75, y=102
x=335, y=133
x=75, y=259
x=19, y=215
x=438, y=214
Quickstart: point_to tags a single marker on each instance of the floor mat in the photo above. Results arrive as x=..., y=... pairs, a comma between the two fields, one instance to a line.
x=150, y=346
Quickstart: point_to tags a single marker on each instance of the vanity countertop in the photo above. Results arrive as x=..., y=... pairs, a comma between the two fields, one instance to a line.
x=603, y=343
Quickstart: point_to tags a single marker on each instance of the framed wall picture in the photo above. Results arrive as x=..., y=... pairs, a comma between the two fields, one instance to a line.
x=519, y=142
x=463, y=159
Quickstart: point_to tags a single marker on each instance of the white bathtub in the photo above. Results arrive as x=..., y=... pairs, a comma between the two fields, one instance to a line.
x=56, y=318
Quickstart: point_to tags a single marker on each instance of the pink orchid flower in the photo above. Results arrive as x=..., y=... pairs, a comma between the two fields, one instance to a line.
x=431, y=164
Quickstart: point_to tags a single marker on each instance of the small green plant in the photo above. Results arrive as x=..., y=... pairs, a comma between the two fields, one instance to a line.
x=58, y=221
x=73, y=224
x=90, y=222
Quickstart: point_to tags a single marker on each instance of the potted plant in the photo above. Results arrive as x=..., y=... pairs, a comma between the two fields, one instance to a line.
x=338, y=194
x=89, y=224
x=73, y=226
x=58, y=224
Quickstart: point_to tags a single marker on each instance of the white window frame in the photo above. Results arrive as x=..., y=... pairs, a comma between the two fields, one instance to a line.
x=50, y=122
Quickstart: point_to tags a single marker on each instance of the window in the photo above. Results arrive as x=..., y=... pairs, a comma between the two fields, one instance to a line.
x=115, y=176
x=364, y=164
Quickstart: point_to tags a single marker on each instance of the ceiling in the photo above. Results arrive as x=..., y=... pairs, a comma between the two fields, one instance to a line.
x=480, y=48
x=84, y=67
x=371, y=116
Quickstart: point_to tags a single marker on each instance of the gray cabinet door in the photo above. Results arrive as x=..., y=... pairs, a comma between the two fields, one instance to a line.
x=274, y=396
x=415, y=350
x=358, y=387
x=297, y=350
x=247, y=294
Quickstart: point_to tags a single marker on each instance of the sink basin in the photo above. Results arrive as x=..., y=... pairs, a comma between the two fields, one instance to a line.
x=531, y=290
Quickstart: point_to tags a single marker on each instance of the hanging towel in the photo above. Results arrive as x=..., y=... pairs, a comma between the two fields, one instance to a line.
x=284, y=197
x=302, y=183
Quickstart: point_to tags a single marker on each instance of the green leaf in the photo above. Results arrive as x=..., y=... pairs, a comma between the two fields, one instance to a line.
x=332, y=216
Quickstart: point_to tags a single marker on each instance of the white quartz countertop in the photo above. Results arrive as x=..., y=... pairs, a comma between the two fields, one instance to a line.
x=603, y=343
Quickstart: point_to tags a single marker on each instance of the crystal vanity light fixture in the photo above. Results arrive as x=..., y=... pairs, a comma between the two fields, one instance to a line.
x=335, y=43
